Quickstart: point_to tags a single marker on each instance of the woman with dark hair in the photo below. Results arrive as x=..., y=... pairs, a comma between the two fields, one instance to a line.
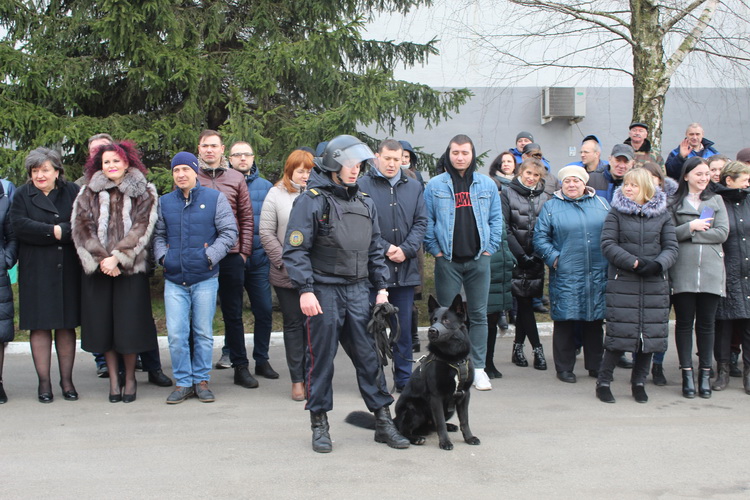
x=9, y=252
x=639, y=242
x=113, y=220
x=503, y=169
x=698, y=277
x=522, y=202
x=733, y=312
x=49, y=274
x=273, y=222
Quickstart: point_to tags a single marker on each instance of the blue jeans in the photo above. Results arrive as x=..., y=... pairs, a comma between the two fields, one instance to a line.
x=474, y=275
x=184, y=305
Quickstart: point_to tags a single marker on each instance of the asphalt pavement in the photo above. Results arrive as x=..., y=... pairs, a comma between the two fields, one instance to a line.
x=540, y=438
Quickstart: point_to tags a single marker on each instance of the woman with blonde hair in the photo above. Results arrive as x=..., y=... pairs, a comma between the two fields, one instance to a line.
x=273, y=223
x=639, y=242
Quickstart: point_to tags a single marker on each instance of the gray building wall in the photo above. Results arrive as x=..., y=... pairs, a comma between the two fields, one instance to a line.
x=493, y=117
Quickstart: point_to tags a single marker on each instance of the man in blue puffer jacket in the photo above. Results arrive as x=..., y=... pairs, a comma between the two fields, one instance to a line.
x=195, y=230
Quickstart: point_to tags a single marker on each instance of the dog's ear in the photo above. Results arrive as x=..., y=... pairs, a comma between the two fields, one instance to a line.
x=458, y=306
x=432, y=304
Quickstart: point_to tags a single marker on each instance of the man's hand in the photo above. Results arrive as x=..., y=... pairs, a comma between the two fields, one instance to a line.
x=395, y=254
x=381, y=298
x=309, y=304
x=685, y=148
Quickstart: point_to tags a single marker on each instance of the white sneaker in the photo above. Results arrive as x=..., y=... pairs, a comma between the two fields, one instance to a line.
x=481, y=380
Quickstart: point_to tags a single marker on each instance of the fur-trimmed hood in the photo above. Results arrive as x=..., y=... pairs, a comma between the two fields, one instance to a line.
x=670, y=186
x=653, y=207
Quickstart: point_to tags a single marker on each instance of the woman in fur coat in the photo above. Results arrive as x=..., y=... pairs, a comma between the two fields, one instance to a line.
x=113, y=220
x=638, y=240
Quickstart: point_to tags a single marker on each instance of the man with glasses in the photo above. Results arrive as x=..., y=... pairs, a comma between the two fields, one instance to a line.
x=214, y=172
x=257, y=286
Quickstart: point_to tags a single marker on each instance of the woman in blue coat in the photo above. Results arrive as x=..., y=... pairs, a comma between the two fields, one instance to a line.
x=567, y=237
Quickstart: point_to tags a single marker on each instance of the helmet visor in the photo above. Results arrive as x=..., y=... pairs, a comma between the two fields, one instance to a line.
x=353, y=155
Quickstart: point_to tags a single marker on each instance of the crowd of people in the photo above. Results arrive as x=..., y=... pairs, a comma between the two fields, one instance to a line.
x=621, y=241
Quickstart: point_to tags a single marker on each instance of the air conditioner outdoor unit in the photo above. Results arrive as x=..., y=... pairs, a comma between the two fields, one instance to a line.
x=563, y=102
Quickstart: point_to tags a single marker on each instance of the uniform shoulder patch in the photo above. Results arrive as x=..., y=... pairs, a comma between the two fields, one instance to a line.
x=312, y=192
x=296, y=238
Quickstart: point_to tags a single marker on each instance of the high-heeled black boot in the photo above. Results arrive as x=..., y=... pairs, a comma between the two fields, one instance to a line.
x=704, y=383
x=688, y=383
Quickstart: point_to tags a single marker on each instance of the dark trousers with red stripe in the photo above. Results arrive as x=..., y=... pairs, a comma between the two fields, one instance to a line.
x=346, y=311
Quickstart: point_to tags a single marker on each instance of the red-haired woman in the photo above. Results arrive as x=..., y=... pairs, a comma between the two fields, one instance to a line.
x=113, y=219
x=273, y=222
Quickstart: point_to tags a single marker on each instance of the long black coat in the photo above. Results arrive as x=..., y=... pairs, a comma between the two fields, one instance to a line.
x=521, y=207
x=736, y=304
x=49, y=273
x=638, y=306
x=8, y=253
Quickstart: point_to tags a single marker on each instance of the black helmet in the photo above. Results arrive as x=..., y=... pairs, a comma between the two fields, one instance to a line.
x=344, y=151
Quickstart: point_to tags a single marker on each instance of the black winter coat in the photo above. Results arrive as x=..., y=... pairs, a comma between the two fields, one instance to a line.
x=403, y=222
x=736, y=304
x=638, y=305
x=521, y=207
x=8, y=254
x=49, y=273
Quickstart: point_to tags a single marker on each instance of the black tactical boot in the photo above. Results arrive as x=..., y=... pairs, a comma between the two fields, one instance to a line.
x=321, y=439
x=385, y=430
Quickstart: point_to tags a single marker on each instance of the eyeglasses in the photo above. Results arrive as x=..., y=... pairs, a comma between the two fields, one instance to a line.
x=242, y=155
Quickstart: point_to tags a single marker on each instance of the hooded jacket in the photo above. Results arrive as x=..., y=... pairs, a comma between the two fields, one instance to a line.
x=440, y=202
x=569, y=231
x=257, y=188
x=638, y=305
x=736, y=304
x=309, y=221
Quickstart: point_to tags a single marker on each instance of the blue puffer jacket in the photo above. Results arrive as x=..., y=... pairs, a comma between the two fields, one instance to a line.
x=190, y=232
x=569, y=231
x=258, y=188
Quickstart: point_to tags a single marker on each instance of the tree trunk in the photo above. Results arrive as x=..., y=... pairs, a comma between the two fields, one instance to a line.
x=650, y=80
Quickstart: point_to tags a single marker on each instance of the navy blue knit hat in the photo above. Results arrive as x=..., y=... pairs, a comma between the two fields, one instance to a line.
x=185, y=158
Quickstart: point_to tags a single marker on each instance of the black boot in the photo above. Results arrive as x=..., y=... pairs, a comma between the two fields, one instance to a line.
x=540, y=363
x=385, y=430
x=688, y=383
x=722, y=381
x=704, y=383
x=657, y=373
x=502, y=323
x=639, y=393
x=746, y=379
x=321, y=439
x=518, y=358
x=491, y=370
x=734, y=365
x=243, y=378
x=604, y=393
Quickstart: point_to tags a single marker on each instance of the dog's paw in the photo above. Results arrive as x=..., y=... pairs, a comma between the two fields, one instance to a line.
x=417, y=440
x=446, y=445
x=472, y=440
x=451, y=427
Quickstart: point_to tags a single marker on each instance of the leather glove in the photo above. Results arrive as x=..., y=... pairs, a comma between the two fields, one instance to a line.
x=647, y=268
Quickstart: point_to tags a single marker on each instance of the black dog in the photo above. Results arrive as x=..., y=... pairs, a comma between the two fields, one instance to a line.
x=440, y=385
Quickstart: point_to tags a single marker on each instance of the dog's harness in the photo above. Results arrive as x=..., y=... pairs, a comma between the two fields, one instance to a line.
x=461, y=367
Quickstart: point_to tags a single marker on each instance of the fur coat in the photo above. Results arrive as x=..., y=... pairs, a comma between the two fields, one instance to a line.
x=115, y=219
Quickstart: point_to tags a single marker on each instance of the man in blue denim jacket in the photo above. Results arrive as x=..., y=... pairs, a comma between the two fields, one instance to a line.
x=465, y=226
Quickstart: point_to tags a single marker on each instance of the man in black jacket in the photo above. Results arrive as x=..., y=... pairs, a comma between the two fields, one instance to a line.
x=403, y=222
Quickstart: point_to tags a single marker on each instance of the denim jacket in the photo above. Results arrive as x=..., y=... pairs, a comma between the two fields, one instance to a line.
x=440, y=202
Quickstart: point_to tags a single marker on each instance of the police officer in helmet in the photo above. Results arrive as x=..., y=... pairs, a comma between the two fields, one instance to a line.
x=331, y=252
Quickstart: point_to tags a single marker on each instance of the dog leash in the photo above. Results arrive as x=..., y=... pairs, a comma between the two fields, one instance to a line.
x=383, y=316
